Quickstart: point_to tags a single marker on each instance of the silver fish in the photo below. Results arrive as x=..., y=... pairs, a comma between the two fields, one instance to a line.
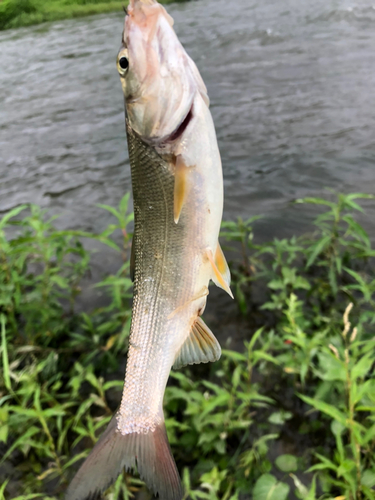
x=178, y=202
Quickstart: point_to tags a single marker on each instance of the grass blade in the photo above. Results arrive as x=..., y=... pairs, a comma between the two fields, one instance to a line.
x=4, y=349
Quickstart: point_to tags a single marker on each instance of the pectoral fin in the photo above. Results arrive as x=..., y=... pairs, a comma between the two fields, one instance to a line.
x=221, y=273
x=201, y=346
x=221, y=264
x=180, y=187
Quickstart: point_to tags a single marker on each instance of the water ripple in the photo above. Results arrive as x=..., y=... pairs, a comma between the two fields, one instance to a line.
x=291, y=86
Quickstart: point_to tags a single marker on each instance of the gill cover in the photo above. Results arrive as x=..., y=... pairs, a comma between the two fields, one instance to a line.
x=161, y=80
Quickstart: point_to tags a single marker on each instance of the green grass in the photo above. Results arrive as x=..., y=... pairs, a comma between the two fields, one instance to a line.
x=302, y=384
x=17, y=13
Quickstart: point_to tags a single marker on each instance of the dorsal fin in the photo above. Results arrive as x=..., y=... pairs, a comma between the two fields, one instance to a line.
x=201, y=346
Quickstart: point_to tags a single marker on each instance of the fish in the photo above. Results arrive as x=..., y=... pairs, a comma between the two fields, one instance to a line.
x=177, y=186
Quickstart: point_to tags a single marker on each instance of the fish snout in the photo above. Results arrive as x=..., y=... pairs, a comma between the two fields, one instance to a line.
x=157, y=81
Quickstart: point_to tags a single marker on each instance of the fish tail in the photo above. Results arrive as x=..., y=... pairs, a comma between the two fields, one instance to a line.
x=150, y=452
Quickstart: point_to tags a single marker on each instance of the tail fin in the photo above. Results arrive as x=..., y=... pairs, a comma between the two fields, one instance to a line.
x=114, y=451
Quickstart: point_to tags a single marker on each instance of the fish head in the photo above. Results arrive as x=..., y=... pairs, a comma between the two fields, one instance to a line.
x=159, y=79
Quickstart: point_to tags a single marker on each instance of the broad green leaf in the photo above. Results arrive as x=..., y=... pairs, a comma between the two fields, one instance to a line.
x=331, y=368
x=301, y=283
x=279, y=417
x=357, y=228
x=346, y=466
x=316, y=201
x=110, y=209
x=214, y=403
x=276, y=284
x=235, y=356
x=123, y=206
x=254, y=338
x=268, y=488
x=355, y=196
x=368, y=478
x=287, y=463
x=368, y=492
x=312, y=491
x=214, y=387
x=326, y=408
x=302, y=490
x=363, y=366
x=360, y=389
x=337, y=428
x=4, y=431
x=317, y=249
x=362, y=286
x=2, y=489
x=264, y=355
x=369, y=435
x=236, y=376
x=60, y=281
x=31, y=431
x=12, y=213
x=31, y=496
x=324, y=464
x=186, y=479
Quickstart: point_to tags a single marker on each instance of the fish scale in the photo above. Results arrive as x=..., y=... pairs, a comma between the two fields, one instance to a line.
x=160, y=286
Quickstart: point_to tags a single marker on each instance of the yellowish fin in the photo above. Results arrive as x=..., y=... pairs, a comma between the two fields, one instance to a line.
x=222, y=264
x=201, y=346
x=221, y=273
x=180, y=187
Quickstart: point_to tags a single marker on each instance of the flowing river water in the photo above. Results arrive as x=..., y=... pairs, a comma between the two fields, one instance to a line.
x=292, y=88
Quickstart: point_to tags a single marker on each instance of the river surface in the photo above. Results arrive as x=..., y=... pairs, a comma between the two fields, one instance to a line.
x=292, y=88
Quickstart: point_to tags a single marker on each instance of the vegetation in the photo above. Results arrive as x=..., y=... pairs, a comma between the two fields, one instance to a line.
x=291, y=415
x=16, y=13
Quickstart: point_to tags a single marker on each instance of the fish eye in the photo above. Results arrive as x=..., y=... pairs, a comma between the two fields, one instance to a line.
x=122, y=64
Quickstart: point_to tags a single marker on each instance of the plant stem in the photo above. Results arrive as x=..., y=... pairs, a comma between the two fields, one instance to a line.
x=353, y=441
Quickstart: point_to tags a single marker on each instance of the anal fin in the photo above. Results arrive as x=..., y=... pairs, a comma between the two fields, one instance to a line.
x=221, y=273
x=201, y=346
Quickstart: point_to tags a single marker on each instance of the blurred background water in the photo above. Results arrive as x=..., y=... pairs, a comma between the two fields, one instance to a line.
x=292, y=88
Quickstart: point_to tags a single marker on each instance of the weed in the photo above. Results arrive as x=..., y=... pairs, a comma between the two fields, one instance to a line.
x=304, y=378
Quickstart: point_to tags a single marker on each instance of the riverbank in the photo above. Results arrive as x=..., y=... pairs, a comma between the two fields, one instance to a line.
x=17, y=13
x=289, y=414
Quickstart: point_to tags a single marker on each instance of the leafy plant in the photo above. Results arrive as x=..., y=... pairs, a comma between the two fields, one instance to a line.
x=303, y=384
